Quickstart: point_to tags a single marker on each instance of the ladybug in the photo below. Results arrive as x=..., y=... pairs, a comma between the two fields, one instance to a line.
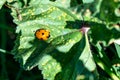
x=42, y=34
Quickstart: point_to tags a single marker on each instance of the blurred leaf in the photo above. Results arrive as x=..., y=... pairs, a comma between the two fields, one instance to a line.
x=86, y=9
x=87, y=1
x=103, y=66
x=103, y=55
x=116, y=68
x=107, y=11
x=1, y=3
x=74, y=3
x=117, y=11
x=117, y=49
x=95, y=7
x=103, y=34
x=117, y=41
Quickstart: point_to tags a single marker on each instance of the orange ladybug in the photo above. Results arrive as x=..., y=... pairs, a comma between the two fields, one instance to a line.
x=42, y=34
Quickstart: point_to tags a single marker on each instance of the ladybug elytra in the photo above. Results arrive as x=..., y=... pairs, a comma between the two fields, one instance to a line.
x=42, y=34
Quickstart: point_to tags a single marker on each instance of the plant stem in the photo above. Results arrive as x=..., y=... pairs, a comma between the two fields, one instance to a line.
x=4, y=51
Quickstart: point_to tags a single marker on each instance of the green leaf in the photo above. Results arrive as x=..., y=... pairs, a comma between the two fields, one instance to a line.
x=49, y=63
x=77, y=62
x=72, y=37
x=87, y=56
x=43, y=13
x=40, y=17
x=1, y=3
x=16, y=4
x=60, y=3
x=102, y=33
